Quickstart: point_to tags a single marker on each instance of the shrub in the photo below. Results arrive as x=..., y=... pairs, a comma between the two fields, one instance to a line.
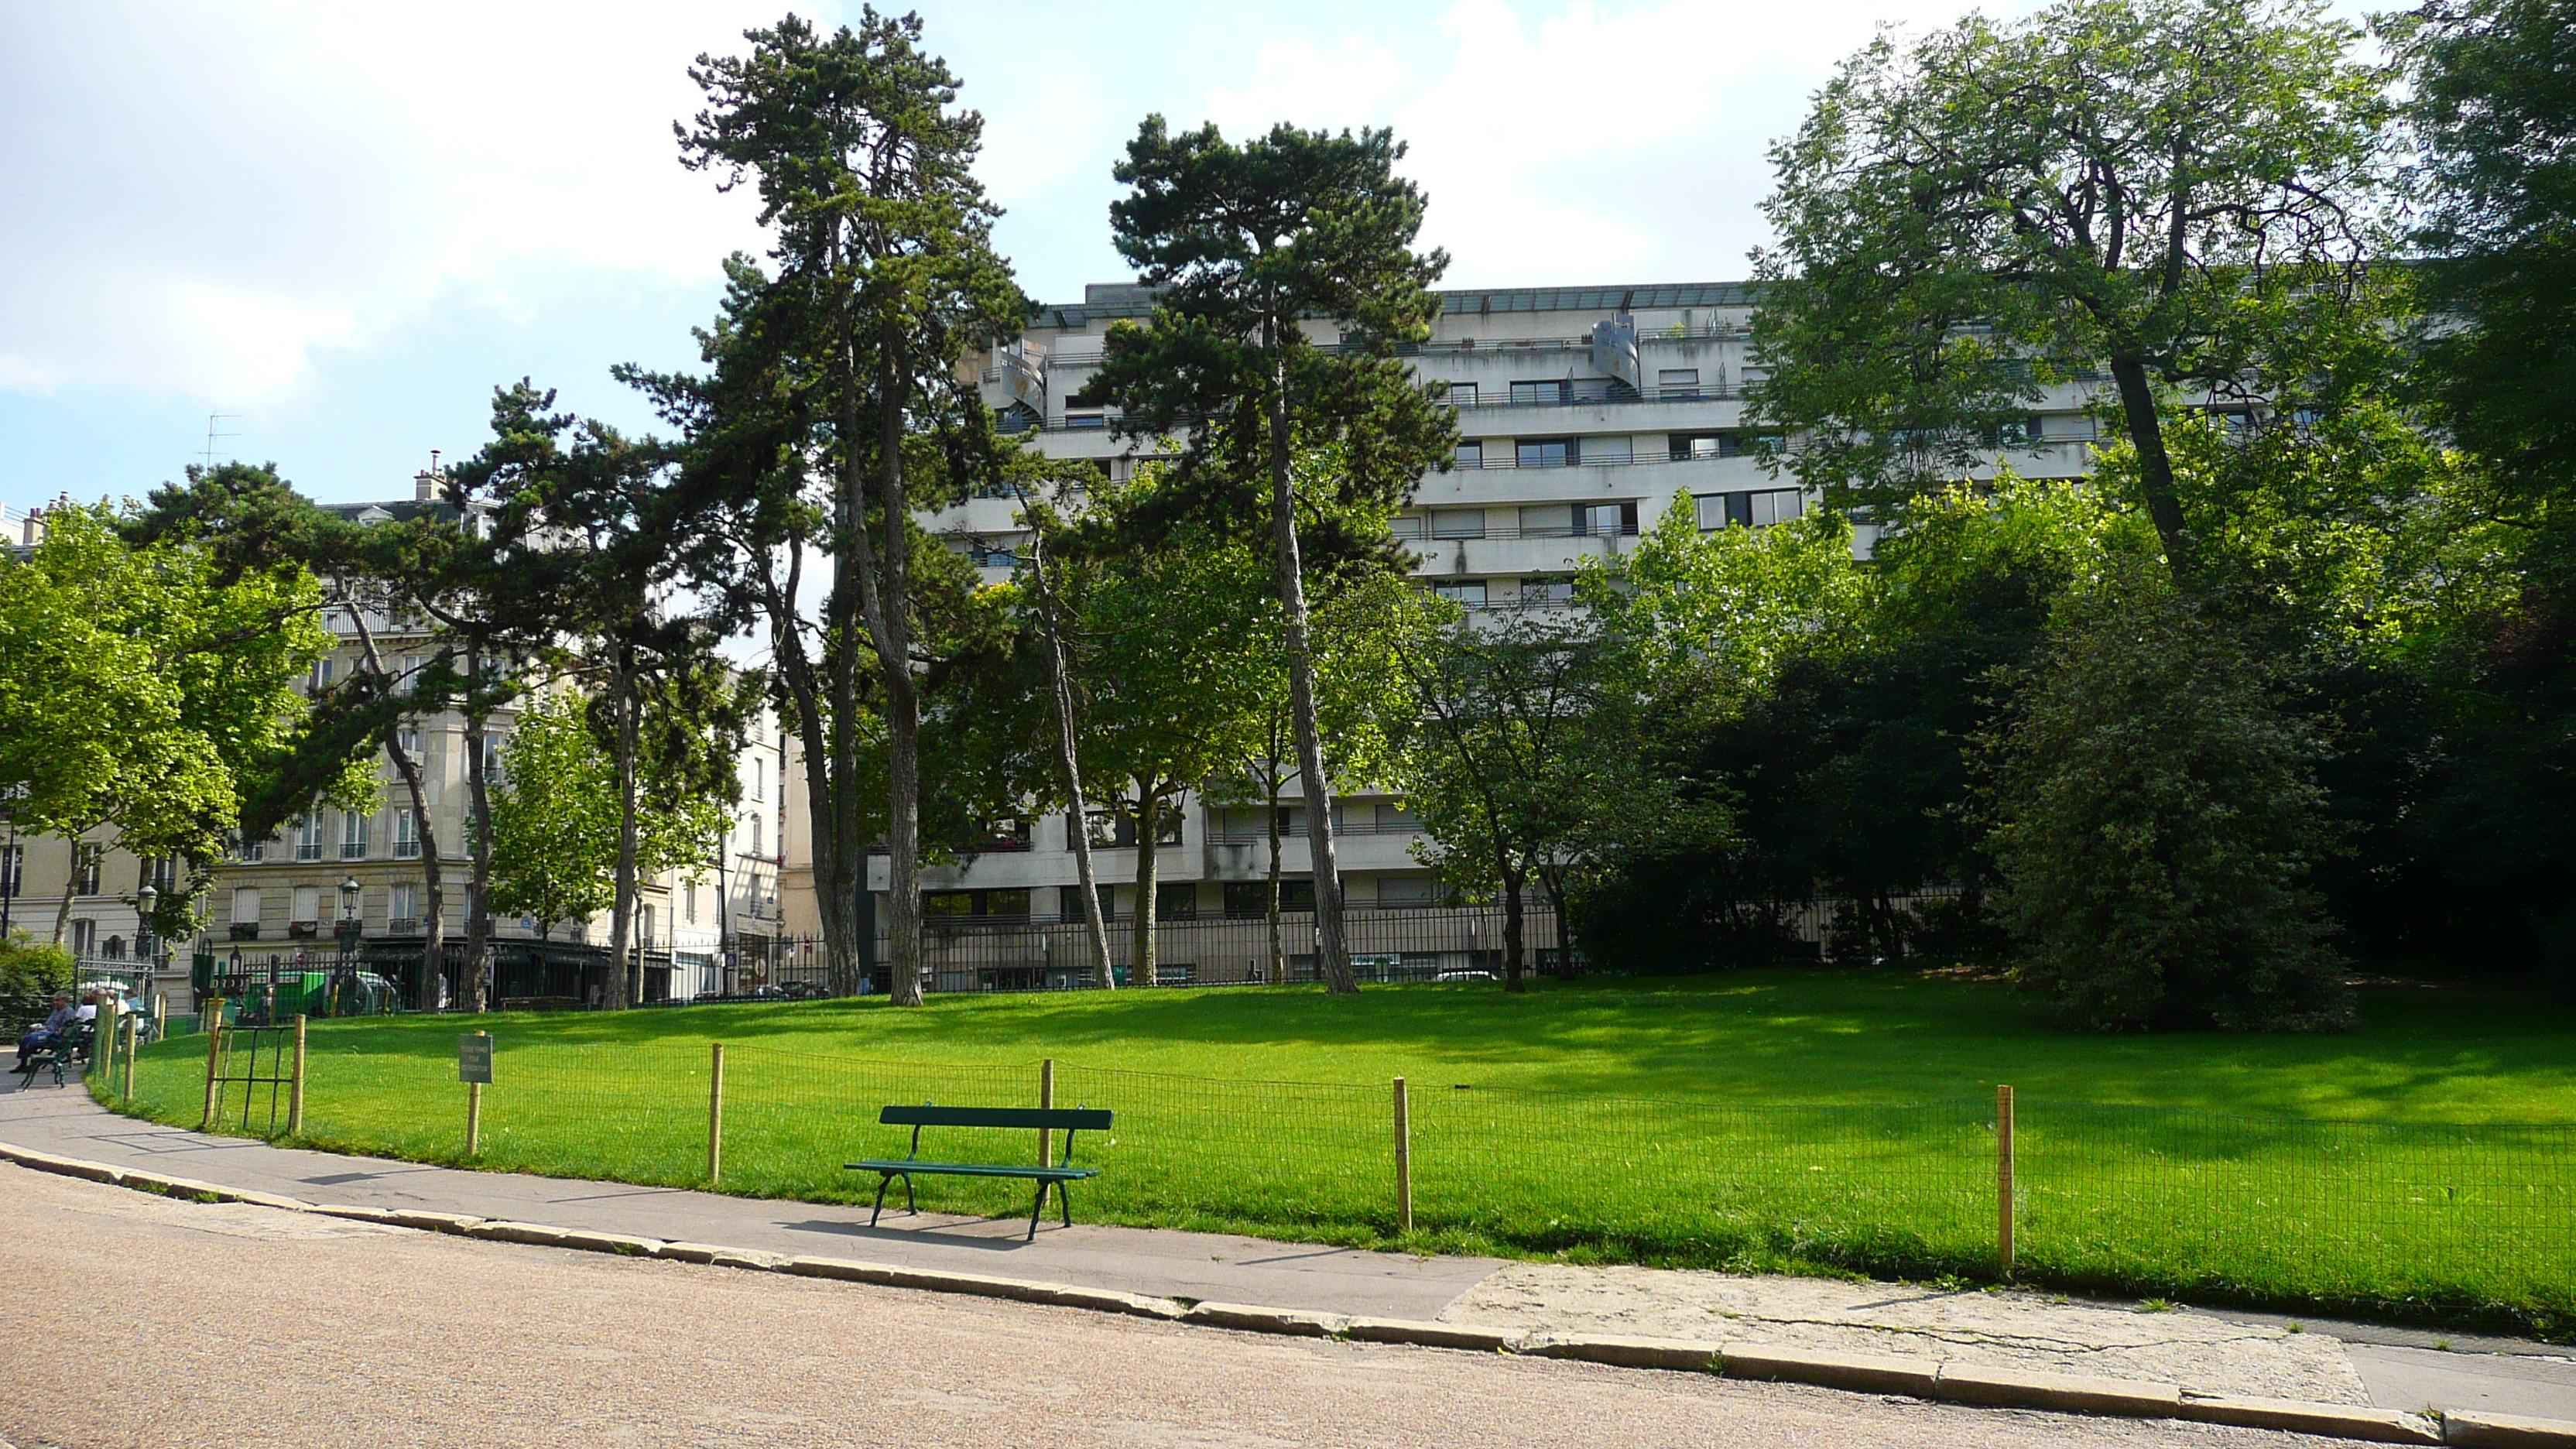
x=2155, y=823
x=29, y=976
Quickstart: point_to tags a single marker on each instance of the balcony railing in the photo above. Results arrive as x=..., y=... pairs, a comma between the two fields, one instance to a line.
x=1512, y=529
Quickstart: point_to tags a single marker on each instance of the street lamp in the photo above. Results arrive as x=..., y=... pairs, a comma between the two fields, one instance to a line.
x=349, y=924
x=146, y=939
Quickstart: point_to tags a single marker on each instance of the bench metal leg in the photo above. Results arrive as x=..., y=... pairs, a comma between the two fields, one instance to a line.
x=1064, y=1200
x=1036, y=1208
x=884, y=1180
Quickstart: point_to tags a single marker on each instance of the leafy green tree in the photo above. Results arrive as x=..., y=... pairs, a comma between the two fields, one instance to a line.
x=2185, y=193
x=148, y=688
x=2157, y=823
x=554, y=817
x=1256, y=247
x=835, y=408
x=1499, y=770
x=558, y=815
x=2493, y=85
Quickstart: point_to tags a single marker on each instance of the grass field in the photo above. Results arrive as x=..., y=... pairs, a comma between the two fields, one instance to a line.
x=2423, y=1165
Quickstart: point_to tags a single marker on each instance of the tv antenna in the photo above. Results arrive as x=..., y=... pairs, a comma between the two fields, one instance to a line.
x=211, y=434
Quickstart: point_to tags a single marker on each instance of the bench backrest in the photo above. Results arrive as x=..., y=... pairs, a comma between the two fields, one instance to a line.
x=1085, y=1119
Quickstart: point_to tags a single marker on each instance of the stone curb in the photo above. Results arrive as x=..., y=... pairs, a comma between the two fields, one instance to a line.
x=2506, y=1431
x=1656, y=1353
x=1923, y=1378
x=1251, y=1318
x=2066, y=1393
x=2340, y=1421
x=1865, y=1373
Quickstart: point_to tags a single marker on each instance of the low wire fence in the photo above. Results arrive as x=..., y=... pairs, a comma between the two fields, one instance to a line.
x=2445, y=1221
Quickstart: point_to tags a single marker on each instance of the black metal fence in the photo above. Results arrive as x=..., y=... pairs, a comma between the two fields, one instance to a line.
x=1015, y=953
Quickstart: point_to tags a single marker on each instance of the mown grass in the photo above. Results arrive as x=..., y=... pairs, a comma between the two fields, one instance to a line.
x=2423, y=1165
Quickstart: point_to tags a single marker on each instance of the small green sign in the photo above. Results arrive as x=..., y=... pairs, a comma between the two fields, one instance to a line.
x=474, y=1058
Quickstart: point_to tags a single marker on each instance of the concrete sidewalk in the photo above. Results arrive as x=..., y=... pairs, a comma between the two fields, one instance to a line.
x=2211, y=1352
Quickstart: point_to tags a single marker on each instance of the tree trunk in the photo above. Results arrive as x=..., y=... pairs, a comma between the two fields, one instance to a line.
x=2155, y=466
x=1278, y=948
x=478, y=901
x=71, y=888
x=433, y=964
x=1060, y=687
x=1149, y=827
x=1514, y=878
x=1332, y=952
x=620, y=914
x=903, y=842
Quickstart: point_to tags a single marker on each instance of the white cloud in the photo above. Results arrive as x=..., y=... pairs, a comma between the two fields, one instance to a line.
x=1348, y=84
x=210, y=198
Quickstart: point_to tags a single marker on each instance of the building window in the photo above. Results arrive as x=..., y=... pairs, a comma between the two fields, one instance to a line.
x=308, y=838
x=402, y=908
x=1249, y=900
x=1677, y=382
x=84, y=938
x=1612, y=448
x=85, y=862
x=1544, y=452
x=1471, y=455
x=759, y=778
x=1601, y=520
x=492, y=759
x=353, y=836
x=1116, y=830
x=406, y=835
x=756, y=836
x=13, y=869
x=1397, y=891
x=1467, y=593
x=1542, y=393
x=1757, y=509
x=1540, y=591
x=1406, y=525
x=321, y=676
x=1462, y=394
x=246, y=906
x=307, y=907
x=1458, y=523
x=973, y=905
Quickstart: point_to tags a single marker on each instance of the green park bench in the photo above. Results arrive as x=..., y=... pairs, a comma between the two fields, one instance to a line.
x=1046, y=1175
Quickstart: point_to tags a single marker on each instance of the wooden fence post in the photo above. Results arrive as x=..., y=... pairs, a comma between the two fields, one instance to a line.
x=213, y=1022
x=715, y=1112
x=1403, y=1161
x=2004, y=1178
x=1046, y=1099
x=133, y=1029
x=102, y=1044
x=295, y=1083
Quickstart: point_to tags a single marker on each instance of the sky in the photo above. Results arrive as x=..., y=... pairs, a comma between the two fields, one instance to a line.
x=322, y=233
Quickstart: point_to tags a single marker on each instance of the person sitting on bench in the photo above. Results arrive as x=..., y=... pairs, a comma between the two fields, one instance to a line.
x=39, y=1036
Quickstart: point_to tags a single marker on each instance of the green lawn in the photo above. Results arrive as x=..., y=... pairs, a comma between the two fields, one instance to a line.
x=2424, y=1164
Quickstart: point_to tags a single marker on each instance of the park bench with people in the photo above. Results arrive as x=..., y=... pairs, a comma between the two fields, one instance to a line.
x=1042, y=1119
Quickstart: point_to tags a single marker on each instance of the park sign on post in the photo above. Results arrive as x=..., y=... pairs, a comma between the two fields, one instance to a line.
x=474, y=1058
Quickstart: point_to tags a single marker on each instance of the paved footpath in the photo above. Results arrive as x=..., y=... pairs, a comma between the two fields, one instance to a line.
x=2207, y=1351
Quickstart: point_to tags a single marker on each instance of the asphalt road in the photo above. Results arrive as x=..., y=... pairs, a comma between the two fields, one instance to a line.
x=142, y=1321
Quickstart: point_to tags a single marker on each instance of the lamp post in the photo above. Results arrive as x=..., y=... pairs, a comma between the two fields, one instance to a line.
x=348, y=926
x=146, y=940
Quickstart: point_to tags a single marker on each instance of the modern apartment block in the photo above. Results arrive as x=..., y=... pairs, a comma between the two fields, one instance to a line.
x=1584, y=414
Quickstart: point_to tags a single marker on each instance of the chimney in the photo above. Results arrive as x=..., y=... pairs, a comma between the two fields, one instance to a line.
x=425, y=482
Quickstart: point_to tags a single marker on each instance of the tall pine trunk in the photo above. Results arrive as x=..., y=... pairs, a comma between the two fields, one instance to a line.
x=1060, y=690
x=478, y=901
x=433, y=964
x=1332, y=951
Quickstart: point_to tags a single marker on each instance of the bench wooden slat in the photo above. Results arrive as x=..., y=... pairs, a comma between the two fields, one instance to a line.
x=1091, y=1119
x=973, y=1169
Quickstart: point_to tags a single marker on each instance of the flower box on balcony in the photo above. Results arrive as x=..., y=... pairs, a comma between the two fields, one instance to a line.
x=302, y=930
x=245, y=930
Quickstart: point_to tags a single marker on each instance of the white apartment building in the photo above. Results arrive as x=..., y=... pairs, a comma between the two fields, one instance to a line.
x=1584, y=413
